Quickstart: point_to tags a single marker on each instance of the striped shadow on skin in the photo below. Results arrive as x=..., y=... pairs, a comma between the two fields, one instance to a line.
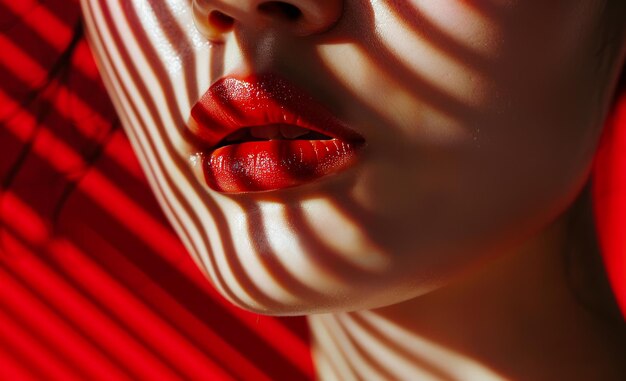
x=257, y=279
x=133, y=110
x=234, y=266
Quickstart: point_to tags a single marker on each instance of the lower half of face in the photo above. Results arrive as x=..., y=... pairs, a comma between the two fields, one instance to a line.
x=478, y=133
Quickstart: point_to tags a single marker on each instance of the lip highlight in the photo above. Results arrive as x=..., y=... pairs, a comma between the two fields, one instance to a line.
x=262, y=133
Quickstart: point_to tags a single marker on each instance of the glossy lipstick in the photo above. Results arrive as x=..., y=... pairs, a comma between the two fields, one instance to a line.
x=262, y=133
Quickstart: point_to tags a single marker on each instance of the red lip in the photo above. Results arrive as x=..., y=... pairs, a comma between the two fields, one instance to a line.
x=235, y=161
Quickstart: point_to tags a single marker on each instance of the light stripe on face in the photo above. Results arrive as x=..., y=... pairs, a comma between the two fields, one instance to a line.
x=134, y=98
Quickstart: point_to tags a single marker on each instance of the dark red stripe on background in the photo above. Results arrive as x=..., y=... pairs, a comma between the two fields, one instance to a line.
x=72, y=268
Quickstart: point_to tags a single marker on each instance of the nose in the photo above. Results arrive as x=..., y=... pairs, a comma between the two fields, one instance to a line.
x=214, y=18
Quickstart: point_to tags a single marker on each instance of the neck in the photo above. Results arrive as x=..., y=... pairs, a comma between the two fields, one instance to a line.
x=518, y=318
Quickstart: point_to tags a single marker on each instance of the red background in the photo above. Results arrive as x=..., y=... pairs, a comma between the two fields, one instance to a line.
x=93, y=282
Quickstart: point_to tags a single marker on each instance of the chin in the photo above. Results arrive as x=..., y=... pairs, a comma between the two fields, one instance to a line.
x=305, y=291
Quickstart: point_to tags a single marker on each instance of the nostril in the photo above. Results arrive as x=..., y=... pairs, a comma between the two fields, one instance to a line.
x=280, y=9
x=221, y=21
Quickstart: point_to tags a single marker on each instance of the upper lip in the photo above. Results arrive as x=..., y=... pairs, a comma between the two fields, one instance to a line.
x=233, y=103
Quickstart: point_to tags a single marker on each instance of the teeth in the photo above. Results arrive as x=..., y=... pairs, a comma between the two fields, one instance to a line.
x=292, y=132
x=265, y=132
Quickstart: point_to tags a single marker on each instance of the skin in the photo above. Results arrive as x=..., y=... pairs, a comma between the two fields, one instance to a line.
x=481, y=118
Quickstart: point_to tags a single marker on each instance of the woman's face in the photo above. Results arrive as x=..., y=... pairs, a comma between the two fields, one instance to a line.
x=470, y=125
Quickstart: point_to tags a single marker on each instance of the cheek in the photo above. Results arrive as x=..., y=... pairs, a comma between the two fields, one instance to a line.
x=421, y=68
x=478, y=122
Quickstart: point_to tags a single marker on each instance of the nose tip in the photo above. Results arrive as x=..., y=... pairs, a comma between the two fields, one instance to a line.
x=214, y=18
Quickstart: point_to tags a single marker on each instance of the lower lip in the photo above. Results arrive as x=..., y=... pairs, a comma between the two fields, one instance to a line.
x=276, y=164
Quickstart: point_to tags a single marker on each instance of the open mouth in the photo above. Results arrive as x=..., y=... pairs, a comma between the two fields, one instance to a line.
x=271, y=132
x=262, y=134
x=257, y=159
